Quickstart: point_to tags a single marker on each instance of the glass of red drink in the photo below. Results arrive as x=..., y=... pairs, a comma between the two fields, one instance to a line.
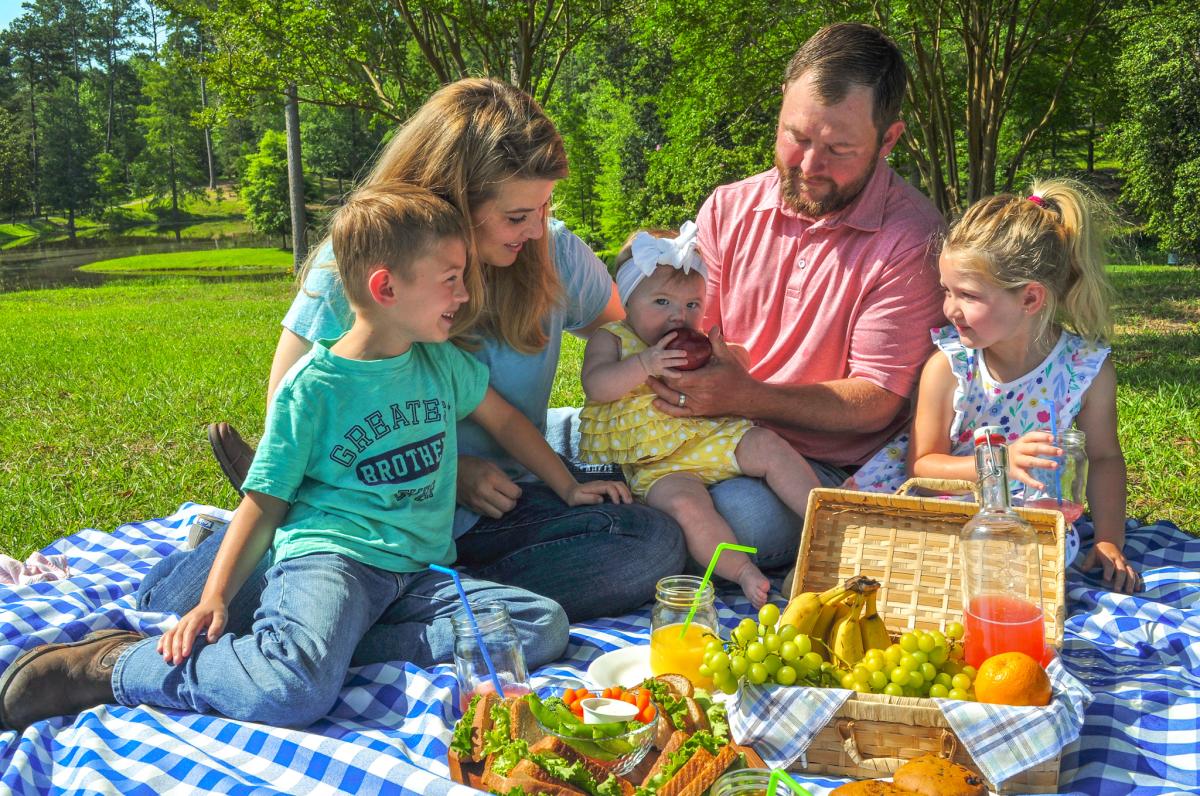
x=1066, y=485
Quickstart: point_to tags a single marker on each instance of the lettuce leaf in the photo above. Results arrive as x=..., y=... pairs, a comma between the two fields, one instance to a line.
x=460, y=741
x=498, y=736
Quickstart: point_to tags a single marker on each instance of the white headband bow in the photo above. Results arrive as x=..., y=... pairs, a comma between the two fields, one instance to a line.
x=650, y=252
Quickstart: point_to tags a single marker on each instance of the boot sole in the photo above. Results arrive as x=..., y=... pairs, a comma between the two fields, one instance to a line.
x=26, y=657
x=224, y=461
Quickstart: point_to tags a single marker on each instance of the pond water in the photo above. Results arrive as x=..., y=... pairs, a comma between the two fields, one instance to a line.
x=42, y=264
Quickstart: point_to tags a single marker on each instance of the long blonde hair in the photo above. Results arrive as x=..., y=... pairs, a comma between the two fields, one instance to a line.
x=465, y=141
x=1055, y=237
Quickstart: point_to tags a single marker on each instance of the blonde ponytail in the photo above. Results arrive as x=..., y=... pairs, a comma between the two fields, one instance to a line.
x=1086, y=220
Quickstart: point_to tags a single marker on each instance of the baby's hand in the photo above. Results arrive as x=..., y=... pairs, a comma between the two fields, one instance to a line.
x=1119, y=574
x=1026, y=454
x=207, y=617
x=658, y=359
x=595, y=491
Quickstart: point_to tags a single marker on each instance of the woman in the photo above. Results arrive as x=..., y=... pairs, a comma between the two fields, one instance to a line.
x=490, y=150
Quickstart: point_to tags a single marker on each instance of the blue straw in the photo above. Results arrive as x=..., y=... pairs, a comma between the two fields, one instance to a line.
x=462, y=595
x=1054, y=431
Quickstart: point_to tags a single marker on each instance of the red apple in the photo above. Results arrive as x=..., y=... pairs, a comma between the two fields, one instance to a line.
x=694, y=344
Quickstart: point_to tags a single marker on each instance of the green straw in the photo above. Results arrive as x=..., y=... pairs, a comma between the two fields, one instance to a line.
x=779, y=774
x=723, y=546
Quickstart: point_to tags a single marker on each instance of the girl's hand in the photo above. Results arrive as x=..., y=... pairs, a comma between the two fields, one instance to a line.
x=659, y=360
x=208, y=616
x=1026, y=454
x=595, y=491
x=484, y=488
x=1119, y=574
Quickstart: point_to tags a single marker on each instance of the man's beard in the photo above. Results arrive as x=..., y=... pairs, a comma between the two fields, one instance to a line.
x=837, y=199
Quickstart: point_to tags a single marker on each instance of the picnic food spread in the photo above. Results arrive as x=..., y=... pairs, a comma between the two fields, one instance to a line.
x=833, y=637
x=528, y=745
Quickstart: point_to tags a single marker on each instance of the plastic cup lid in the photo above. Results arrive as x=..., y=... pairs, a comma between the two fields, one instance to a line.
x=601, y=710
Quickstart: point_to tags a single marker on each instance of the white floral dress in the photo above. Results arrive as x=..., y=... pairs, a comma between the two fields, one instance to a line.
x=1018, y=406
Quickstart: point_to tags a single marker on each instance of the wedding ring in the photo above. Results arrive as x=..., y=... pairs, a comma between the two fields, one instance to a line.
x=682, y=399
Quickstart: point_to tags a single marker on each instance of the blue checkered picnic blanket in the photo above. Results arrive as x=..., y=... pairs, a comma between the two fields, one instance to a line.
x=389, y=730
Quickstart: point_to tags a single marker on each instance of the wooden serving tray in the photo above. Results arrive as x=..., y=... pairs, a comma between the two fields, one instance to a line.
x=471, y=774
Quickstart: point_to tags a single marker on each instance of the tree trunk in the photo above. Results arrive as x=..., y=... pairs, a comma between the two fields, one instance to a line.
x=33, y=140
x=295, y=178
x=208, y=149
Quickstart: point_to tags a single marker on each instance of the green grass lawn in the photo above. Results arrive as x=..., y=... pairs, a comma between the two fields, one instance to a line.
x=107, y=392
x=212, y=262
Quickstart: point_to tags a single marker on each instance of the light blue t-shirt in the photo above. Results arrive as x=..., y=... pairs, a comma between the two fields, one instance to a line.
x=524, y=380
x=363, y=450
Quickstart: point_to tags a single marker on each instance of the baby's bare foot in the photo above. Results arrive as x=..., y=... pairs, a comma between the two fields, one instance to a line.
x=754, y=585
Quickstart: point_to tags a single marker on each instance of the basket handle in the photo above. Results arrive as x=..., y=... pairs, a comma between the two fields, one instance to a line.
x=939, y=485
x=887, y=765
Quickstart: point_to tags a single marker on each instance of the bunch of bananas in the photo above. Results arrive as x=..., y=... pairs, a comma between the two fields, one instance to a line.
x=845, y=619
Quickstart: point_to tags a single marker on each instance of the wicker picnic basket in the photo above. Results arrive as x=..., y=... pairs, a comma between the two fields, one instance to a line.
x=909, y=544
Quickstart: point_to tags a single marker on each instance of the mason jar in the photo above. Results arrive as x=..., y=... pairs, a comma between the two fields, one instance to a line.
x=673, y=650
x=743, y=782
x=496, y=632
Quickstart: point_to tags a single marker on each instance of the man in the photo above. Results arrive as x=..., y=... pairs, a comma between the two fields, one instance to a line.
x=824, y=271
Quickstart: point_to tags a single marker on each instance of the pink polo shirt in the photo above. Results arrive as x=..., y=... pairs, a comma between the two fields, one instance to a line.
x=850, y=295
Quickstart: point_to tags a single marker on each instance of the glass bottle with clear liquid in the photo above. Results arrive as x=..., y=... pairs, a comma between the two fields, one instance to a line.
x=1001, y=565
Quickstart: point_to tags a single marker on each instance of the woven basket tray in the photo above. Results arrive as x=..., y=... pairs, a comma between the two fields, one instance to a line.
x=909, y=544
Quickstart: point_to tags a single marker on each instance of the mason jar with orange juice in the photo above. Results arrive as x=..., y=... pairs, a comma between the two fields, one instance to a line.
x=673, y=649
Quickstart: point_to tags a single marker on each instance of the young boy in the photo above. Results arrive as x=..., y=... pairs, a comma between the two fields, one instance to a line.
x=351, y=491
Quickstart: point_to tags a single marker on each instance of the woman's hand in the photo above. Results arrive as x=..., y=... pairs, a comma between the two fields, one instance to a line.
x=484, y=488
x=1119, y=574
x=209, y=616
x=594, y=492
x=658, y=360
x=1027, y=454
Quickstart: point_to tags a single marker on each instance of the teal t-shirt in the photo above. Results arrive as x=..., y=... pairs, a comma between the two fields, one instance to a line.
x=524, y=380
x=365, y=453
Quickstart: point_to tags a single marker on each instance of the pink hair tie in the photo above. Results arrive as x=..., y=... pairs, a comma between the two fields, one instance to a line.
x=1037, y=200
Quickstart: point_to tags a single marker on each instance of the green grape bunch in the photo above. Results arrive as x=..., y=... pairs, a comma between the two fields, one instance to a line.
x=765, y=652
x=919, y=664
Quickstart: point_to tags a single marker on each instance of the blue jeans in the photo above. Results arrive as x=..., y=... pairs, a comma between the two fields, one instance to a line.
x=760, y=519
x=174, y=586
x=312, y=615
x=601, y=560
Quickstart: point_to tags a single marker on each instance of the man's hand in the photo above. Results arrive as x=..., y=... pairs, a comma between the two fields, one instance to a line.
x=209, y=616
x=1119, y=574
x=714, y=390
x=484, y=488
x=593, y=492
x=1027, y=453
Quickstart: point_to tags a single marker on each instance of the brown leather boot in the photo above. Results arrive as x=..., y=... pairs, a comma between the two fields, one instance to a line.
x=231, y=451
x=61, y=679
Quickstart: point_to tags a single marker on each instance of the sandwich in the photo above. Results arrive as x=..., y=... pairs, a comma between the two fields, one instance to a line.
x=683, y=708
x=689, y=765
x=489, y=724
x=549, y=767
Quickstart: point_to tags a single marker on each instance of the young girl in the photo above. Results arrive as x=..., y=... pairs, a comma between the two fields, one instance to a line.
x=1027, y=300
x=670, y=461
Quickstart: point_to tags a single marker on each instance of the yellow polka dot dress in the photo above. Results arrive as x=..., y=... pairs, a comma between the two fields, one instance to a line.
x=649, y=444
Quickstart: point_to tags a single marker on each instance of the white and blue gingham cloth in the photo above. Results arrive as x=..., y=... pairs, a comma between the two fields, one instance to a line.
x=389, y=730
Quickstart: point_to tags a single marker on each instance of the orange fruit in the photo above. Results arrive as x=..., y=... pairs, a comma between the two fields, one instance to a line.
x=1012, y=678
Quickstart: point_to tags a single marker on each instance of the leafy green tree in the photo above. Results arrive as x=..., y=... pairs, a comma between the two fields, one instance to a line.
x=264, y=186
x=14, y=164
x=338, y=142
x=1158, y=137
x=172, y=163
x=68, y=182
